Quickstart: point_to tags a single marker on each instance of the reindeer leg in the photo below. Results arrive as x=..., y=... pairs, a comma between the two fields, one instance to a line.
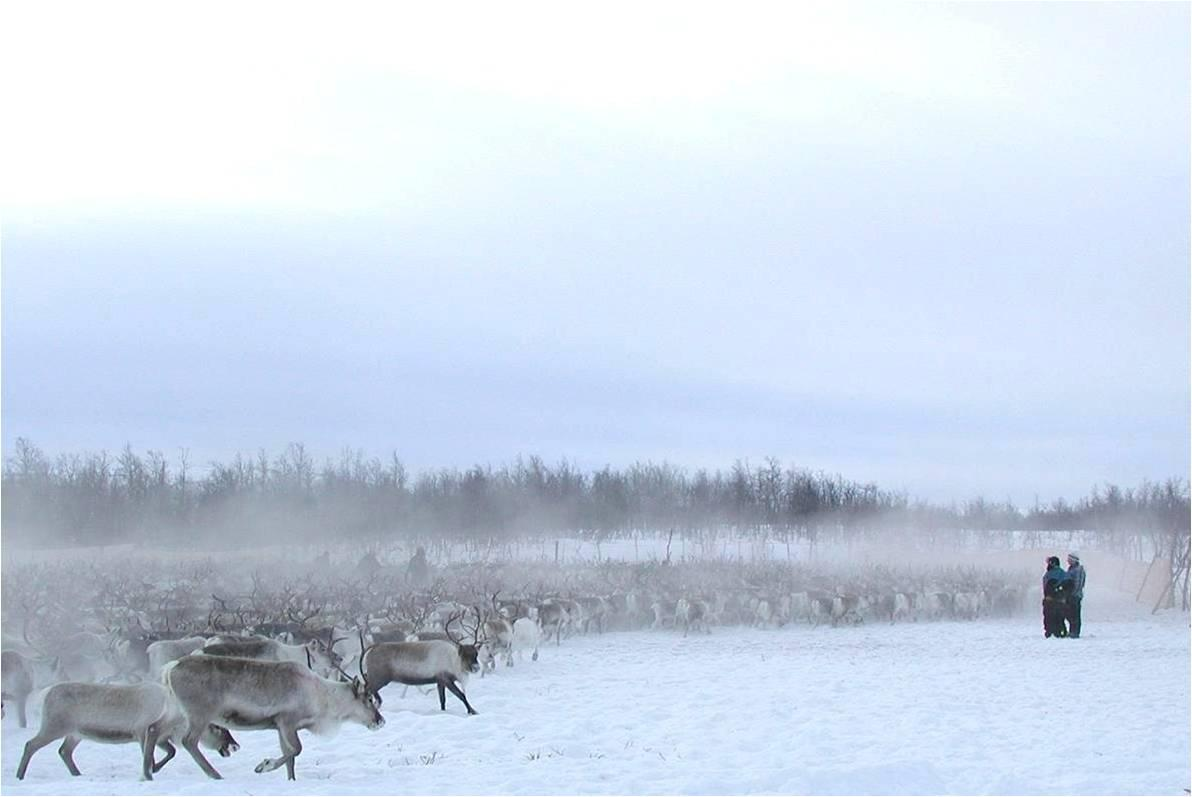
x=455, y=690
x=66, y=751
x=290, y=748
x=190, y=742
x=148, y=745
x=32, y=746
x=21, y=709
x=295, y=749
x=171, y=751
x=442, y=696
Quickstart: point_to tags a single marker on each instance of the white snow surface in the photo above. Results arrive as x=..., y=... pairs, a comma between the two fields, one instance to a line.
x=986, y=707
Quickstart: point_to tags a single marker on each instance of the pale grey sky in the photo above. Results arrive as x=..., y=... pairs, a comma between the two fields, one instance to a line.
x=941, y=247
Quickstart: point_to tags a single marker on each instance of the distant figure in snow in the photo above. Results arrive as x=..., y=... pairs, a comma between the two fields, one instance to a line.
x=417, y=571
x=1056, y=586
x=323, y=561
x=368, y=564
x=1076, y=595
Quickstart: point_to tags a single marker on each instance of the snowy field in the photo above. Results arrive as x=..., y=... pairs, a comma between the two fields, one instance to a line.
x=932, y=708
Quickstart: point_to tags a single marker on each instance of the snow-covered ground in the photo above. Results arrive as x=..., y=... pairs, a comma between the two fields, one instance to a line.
x=931, y=708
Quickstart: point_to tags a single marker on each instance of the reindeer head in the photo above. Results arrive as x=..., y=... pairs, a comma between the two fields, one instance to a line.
x=320, y=658
x=469, y=653
x=367, y=706
x=469, y=657
x=220, y=739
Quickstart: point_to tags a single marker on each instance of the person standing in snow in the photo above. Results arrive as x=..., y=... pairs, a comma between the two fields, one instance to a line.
x=1056, y=584
x=417, y=571
x=1075, y=594
x=369, y=565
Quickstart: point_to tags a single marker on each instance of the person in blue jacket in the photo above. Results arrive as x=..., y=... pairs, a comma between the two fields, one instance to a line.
x=1075, y=595
x=1056, y=586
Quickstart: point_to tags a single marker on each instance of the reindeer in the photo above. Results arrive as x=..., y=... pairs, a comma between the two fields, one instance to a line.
x=133, y=649
x=727, y=608
x=575, y=618
x=285, y=631
x=258, y=695
x=821, y=604
x=763, y=612
x=514, y=610
x=664, y=612
x=145, y=713
x=349, y=647
x=966, y=605
x=313, y=654
x=1006, y=601
x=398, y=631
x=335, y=639
x=17, y=681
x=443, y=663
x=163, y=651
x=800, y=606
x=937, y=605
x=525, y=636
x=428, y=636
x=594, y=609
x=86, y=656
x=490, y=634
x=552, y=619
x=617, y=614
x=494, y=639
x=691, y=614
x=846, y=608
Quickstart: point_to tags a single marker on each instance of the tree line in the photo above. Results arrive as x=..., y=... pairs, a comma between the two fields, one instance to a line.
x=100, y=498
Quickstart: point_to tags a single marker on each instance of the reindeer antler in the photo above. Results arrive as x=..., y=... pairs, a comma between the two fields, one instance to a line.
x=447, y=627
x=479, y=636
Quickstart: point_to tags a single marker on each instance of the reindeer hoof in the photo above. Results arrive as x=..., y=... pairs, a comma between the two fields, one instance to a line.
x=264, y=766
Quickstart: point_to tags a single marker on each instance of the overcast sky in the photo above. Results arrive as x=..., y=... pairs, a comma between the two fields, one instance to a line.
x=944, y=248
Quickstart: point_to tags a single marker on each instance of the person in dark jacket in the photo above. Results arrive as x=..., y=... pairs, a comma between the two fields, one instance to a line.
x=417, y=571
x=1075, y=595
x=369, y=565
x=1056, y=584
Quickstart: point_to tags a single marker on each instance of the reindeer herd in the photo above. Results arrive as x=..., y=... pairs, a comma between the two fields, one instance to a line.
x=163, y=653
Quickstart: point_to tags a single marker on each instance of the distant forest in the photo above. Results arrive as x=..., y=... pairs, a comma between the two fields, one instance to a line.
x=97, y=498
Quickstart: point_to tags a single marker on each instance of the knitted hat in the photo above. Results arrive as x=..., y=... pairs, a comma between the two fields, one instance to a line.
x=1074, y=558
